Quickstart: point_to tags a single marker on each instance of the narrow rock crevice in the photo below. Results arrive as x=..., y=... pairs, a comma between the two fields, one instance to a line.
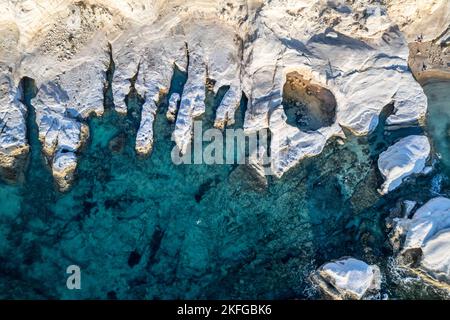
x=37, y=170
x=179, y=78
x=108, y=103
x=134, y=102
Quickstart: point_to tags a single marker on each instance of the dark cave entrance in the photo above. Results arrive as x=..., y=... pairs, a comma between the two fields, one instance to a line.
x=308, y=106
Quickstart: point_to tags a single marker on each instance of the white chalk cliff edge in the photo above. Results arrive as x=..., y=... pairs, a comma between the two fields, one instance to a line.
x=348, y=278
x=423, y=242
x=351, y=56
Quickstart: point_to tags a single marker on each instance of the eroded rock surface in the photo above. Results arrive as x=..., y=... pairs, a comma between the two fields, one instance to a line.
x=426, y=26
x=406, y=157
x=352, y=50
x=415, y=18
x=430, y=60
x=348, y=278
x=351, y=57
x=13, y=144
x=424, y=242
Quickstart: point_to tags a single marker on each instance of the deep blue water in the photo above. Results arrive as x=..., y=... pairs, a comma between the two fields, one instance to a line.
x=147, y=229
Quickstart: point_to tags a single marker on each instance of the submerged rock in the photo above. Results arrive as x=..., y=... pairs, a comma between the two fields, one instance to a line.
x=424, y=242
x=348, y=278
x=404, y=158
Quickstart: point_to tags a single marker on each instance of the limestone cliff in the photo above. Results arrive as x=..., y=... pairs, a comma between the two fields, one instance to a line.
x=348, y=58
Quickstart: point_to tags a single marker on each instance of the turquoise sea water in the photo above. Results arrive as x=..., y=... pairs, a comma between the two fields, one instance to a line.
x=147, y=229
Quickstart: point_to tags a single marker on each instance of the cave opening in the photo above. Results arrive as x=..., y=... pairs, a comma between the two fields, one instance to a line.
x=308, y=106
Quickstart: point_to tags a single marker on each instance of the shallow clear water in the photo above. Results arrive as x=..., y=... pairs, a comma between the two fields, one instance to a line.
x=439, y=120
x=145, y=228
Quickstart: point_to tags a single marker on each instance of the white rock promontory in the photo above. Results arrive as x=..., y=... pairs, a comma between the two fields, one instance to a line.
x=426, y=245
x=354, y=51
x=63, y=47
x=348, y=278
x=13, y=144
x=406, y=157
x=427, y=19
x=173, y=107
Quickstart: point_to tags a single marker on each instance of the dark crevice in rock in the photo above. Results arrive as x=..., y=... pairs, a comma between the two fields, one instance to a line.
x=134, y=102
x=383, y=136
x=14, y=172
x=29, y=90
x=213, y=100
x=108, y=103
x=111, y=295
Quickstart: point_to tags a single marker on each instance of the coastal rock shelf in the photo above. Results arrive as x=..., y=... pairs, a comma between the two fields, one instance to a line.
x=404, y=158
x=425, y=242
x=348, y=278
x=249, y=47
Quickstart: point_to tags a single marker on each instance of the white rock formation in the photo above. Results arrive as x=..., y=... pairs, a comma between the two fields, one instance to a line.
x=426, y=26
x=426, y=245
x=172, y=109
x=348, y=56
x=64, y=48
x=348, y=278
x=420, y=17
x=408, y=207
x=406, y=157
x=13, y=144
x=354, y=51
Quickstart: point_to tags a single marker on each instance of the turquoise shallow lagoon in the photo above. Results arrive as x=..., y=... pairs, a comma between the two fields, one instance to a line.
x=148, y=229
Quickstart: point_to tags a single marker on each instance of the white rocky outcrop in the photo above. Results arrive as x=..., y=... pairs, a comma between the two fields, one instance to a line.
x=172, y=109
x=151, y=53
x=406, y=157
x=13, y=144
x=349, y=58
x=426, y=241
x=64, y=47
x=426, y=26
x=354, y=51
x=215, y=58
x=420, y=17
x=348, y=278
